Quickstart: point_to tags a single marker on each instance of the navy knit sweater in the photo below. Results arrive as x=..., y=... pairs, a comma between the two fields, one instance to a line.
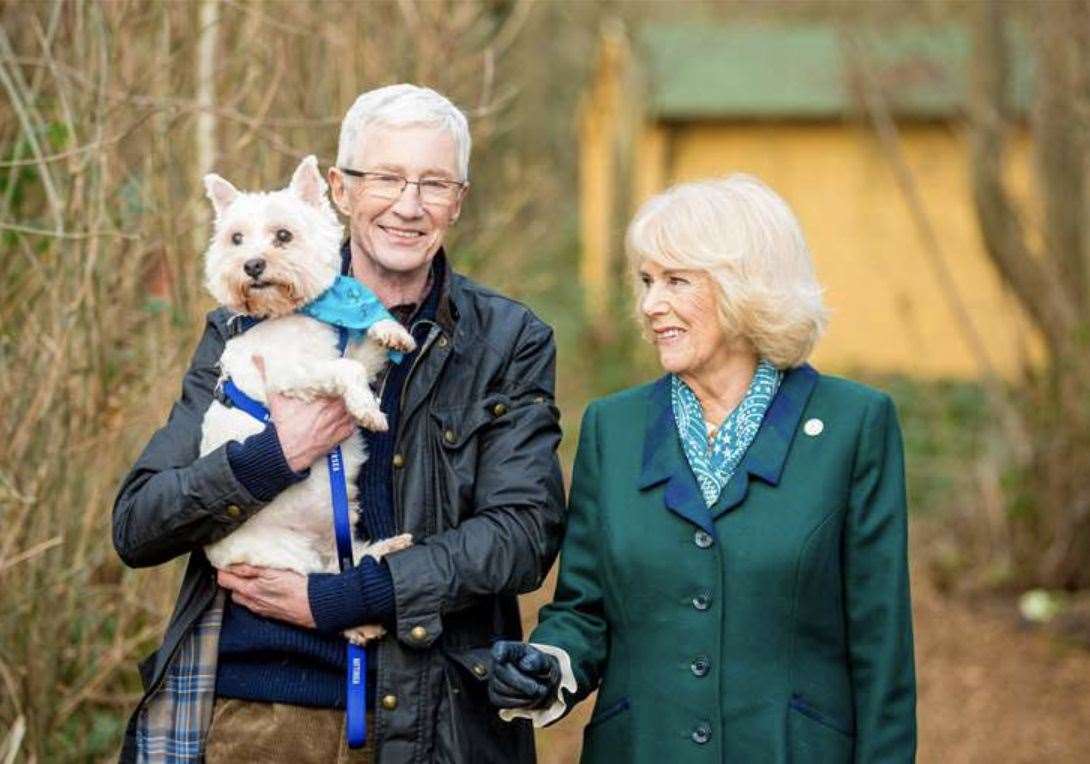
x=272, y=661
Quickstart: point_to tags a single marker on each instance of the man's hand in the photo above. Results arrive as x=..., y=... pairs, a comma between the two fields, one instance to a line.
x=272, y=593
x=522, y=676
x=307, y=431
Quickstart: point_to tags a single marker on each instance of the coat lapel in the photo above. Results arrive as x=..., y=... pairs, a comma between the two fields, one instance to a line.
x=664, y=460
x=768, y=452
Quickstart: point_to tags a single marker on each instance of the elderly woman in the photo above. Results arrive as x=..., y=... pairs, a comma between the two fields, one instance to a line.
x=734, y=577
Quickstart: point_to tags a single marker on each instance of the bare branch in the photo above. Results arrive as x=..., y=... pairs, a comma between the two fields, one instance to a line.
x=15, y=95
x=888, y=135
x=1061, y=163
x=70, y=235
x=1033, y=282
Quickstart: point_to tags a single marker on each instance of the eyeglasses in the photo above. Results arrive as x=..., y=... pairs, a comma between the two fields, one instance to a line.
x=388, y=185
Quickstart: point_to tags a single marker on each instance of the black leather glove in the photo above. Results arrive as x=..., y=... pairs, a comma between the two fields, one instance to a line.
x=522, y=676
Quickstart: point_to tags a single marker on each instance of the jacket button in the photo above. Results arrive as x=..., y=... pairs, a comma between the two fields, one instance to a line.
x=700, y=666
x=499, y=409
x=234, y=512
x=448, y=436
x=399, y=461
x=703, y=539
x=389, y=702
x=442, y=342
x=702, y=601
x=539, y=399
x=702, y=733
x=480, y=670
x=418, y=633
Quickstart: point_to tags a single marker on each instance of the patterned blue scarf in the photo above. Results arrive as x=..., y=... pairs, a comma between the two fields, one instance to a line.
x=350, y=304
x=714, y=463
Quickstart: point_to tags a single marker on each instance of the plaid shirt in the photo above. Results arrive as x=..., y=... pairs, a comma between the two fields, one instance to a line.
x=173, y=721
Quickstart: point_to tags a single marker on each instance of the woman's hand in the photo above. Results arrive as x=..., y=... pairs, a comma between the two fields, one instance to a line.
x=522, y=676
x=272, y=593
x=307, y=430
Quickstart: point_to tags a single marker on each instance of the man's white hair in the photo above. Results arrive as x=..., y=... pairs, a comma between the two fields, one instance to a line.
x=746, y=238
x=403, y=106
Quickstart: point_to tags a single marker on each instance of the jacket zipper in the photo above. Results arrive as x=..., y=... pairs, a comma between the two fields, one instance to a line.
x=428, y=342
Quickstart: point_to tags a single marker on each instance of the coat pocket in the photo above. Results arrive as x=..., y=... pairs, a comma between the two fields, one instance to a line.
x=468, y=726
x=458, y=425
x=608, y=734
x=814, y=735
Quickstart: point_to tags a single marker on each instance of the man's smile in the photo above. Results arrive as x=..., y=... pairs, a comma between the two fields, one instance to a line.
x=400, y=233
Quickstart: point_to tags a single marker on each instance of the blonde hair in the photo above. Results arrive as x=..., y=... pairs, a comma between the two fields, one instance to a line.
x=745, y=237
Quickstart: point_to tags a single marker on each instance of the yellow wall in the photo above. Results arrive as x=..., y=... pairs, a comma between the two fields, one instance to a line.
x=888, y=311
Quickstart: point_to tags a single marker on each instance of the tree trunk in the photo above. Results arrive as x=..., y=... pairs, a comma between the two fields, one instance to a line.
x=1052, y=524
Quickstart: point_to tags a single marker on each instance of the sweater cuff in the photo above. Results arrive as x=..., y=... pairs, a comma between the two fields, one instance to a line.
x=359, y=596
x=259, y=464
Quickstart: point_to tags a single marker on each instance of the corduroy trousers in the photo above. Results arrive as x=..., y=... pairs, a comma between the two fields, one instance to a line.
x=247, y=731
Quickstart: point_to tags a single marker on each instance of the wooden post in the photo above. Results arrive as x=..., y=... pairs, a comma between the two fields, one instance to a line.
x=599, y=113
x=649, y=172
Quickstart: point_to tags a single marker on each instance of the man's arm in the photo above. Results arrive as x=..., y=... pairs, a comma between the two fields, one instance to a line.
x=508, y=545
x=174, y=500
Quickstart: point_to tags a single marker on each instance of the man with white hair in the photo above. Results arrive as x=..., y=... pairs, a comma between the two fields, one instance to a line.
x=468, y=467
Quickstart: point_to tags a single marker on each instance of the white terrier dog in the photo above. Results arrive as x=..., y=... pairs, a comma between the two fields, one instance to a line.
x=271, y=254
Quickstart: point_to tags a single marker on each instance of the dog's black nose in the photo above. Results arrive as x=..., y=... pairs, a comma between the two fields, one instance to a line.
x=254, y=267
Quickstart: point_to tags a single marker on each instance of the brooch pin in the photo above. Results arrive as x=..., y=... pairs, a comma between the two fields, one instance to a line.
x=813, y=427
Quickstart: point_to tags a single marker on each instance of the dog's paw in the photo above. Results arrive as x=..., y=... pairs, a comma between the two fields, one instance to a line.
x=379, y=549
x=304, y=394
x=361, y=635
x=393, y=335
x=370, y=419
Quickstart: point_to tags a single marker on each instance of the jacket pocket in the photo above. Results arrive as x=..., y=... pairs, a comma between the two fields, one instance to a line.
x=459, y=424
x=814, y=735
x=455, y=439
x=468, y=726
x=608, y=734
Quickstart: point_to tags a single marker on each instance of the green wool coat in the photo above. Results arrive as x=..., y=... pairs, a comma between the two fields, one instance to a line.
x=775, y=627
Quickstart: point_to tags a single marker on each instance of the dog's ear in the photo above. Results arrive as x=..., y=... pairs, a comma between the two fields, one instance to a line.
x=307, y=182
x=220, y=192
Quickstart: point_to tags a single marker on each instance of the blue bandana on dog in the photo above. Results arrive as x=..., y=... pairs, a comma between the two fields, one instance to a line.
x=350, y=304
x=714, y=463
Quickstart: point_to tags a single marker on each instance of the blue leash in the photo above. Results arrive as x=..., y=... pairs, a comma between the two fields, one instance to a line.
x=356, y=656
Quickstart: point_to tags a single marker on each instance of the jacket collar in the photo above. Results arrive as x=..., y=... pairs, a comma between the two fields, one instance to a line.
x=664, y=461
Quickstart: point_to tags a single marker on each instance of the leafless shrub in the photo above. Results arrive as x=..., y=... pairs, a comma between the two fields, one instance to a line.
x=102, y=219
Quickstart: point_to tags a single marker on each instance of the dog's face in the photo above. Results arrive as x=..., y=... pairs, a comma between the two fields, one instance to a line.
x=272, y=252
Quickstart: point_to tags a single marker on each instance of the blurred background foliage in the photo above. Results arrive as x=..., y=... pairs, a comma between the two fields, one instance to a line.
x=111, y=112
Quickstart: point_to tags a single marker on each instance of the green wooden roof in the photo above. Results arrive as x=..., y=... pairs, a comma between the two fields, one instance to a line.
x=801, y=71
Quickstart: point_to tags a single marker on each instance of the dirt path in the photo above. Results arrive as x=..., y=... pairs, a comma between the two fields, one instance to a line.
x=990, y=691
